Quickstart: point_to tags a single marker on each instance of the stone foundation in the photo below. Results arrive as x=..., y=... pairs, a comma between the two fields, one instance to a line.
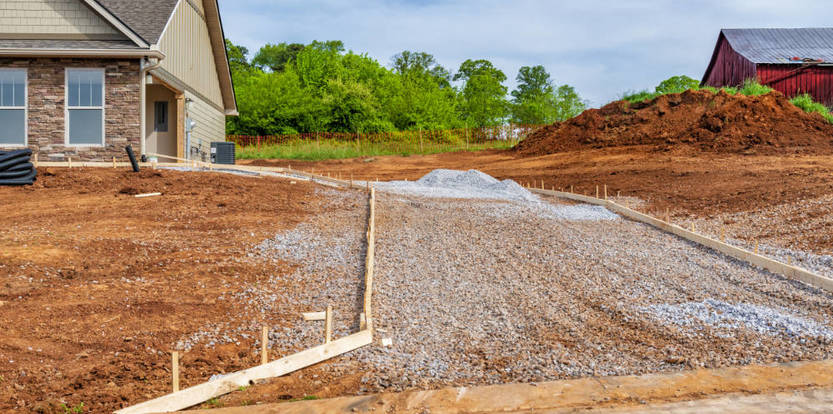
x=46, y=96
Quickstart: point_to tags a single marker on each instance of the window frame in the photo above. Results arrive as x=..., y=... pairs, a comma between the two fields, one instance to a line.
x=103, y=106
x=25, y=107
x=156, y=113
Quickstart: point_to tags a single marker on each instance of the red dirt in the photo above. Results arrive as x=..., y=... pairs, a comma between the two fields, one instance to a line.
x=96, y=286
x=692, y=121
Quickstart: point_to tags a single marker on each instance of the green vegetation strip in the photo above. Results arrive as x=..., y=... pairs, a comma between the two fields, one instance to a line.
x=334, y=149
x=680, y=84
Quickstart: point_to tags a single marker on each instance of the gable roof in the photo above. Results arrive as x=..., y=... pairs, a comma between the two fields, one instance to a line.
x=146, y=18
x=779, y=46
x=142, y=22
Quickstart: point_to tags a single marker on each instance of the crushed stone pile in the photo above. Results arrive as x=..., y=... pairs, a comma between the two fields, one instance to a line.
x=442, y=183
x=473, y=184
x=691, y=121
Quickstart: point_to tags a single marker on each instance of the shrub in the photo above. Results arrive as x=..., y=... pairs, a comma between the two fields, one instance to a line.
x=807, y=104
x=641, y=96
x=751, y=87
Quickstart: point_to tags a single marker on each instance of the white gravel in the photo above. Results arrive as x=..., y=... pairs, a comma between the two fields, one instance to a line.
x=480, y=291
x=729, y=316
x=475, y=185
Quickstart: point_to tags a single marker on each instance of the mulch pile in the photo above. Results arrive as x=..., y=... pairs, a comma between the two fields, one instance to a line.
x=690, y=121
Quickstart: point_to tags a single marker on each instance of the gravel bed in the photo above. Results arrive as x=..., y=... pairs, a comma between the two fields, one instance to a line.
x=485, y=291
x=329, y=252
x=789, y=232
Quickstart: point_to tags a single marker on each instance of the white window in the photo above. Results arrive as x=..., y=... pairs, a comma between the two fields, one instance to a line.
x=13, y=107
x=85, y=107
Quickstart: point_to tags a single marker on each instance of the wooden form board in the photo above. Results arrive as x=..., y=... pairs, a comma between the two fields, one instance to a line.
x=767, y=263
x=314, y=316
x=199, y=393
x=203, y=392
x=370, y=261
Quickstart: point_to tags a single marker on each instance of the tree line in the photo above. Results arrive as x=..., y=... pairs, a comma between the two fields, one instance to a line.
x=289, y=88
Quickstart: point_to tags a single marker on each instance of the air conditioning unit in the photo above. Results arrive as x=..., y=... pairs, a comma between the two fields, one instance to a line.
x=222, y=153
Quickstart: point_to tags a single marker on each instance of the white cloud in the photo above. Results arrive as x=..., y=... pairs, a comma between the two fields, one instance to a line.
x=602, y=47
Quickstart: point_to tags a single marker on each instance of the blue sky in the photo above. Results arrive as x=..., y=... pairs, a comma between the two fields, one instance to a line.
x=601, y=47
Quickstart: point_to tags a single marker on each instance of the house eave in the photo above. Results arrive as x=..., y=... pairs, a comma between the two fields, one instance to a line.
x=125, y=53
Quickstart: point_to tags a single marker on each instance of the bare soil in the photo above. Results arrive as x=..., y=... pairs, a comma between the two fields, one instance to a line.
x=692, y=121
x=97, y=286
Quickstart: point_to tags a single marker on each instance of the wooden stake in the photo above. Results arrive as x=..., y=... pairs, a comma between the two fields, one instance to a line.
x=692, y=227
x=756, y=247
x=264, y=343
x=571, y=188
x=36, y=160
x=175, y=370
x=328, y=325
x=114, y=162
x=69, y=162
x=667, y=215
x=542, y=184
x=723, y=234
x=605, y=191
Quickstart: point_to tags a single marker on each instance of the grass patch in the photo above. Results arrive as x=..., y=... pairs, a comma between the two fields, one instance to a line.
x=309, y=150
x=75, y=409
x=750, y=87
x=305, y=398
x=807, y=104
x=753, y=88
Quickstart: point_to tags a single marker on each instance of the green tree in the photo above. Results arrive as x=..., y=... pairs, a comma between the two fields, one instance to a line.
x=567, y=103
x=677, y=84
x=237, y=57
x=483, y=98
x=537, y=101
x=533, y=82
x=275, y=57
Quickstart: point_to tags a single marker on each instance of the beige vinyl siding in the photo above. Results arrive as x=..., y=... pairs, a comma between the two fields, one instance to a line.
x=189, y=55
x=211, y=122
x=51, y=17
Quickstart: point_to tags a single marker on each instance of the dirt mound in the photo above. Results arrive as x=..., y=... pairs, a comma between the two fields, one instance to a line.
x=692, y=120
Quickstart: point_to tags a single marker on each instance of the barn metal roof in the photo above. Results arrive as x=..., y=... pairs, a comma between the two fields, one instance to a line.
x=781, y=45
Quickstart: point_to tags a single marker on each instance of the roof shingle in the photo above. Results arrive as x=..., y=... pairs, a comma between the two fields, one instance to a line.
x=147, y=18
x=66, y=44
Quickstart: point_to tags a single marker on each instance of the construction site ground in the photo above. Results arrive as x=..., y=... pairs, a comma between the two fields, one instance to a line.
x=98, y=286
x=782, y=199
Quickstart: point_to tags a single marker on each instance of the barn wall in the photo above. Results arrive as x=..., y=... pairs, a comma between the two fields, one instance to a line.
x=729, y=67
x=791, y=80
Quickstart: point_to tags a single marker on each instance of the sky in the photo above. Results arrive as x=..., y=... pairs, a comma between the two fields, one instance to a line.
x=603, y=48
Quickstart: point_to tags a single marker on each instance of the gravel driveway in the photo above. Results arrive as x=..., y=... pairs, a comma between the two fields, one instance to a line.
x=496, y=291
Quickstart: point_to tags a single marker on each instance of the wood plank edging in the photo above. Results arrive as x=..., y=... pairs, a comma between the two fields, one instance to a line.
x=774, y=266
x=199, y=393
x=203, y=392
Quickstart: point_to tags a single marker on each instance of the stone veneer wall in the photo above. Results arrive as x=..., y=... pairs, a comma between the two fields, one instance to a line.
x=46, y=93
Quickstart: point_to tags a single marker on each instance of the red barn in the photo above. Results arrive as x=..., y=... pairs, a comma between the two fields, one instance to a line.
x=791, y=61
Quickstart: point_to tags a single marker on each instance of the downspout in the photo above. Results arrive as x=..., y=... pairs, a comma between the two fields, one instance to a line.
x=146, y=67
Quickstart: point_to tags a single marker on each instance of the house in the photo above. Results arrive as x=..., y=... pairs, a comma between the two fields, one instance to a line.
x=792, y=61
x=85, y=78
